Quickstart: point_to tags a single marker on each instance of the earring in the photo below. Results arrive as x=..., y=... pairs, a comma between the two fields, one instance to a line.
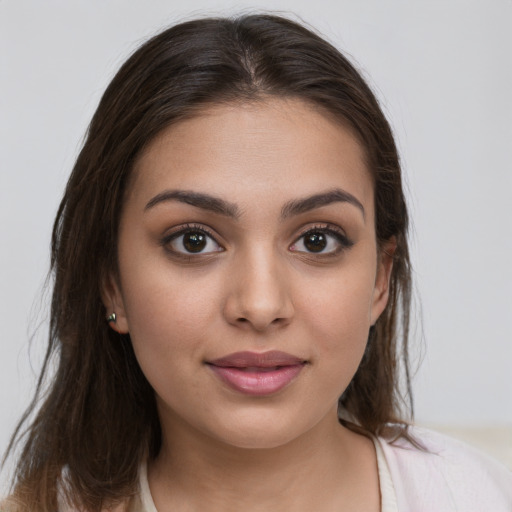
x=112, y=318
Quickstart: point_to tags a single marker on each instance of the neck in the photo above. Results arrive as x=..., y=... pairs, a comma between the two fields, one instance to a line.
x=325, y=467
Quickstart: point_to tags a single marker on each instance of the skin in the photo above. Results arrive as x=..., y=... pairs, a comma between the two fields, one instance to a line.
x=255, y=287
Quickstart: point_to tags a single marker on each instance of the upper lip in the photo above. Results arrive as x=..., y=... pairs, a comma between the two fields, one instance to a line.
x=257, y=360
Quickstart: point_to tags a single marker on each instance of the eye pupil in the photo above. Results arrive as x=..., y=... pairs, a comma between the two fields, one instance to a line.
x=315, y=242
x=194, y=241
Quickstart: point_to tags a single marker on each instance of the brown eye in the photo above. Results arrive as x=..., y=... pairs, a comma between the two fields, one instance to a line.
x=194, y=242
x=322, y=241
x=315, y=242
x=191, y=241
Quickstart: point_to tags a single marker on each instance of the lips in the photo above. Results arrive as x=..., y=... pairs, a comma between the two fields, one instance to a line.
x=257, y=374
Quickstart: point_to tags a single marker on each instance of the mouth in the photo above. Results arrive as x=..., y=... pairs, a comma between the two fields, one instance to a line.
x=257, y=374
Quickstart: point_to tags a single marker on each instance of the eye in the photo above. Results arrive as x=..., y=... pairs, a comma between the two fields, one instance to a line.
x=322, y=240
x=191, y=240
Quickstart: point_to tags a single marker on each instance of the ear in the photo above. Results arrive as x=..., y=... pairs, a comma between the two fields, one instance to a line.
x=112, y=298
x=384, y=269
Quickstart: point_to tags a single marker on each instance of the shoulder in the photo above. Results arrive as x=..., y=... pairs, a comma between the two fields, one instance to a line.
x=447, y=475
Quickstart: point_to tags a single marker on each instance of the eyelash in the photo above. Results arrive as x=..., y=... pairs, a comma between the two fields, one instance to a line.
x=183, y=230
x=330, y=230
x=325, y=229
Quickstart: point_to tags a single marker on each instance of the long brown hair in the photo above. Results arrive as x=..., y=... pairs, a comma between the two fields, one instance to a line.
x=98, y=418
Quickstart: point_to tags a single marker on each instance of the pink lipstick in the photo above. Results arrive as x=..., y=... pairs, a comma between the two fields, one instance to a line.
x=255, y=373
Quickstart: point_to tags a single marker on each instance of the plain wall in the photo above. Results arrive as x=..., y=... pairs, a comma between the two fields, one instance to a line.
x=443, y=73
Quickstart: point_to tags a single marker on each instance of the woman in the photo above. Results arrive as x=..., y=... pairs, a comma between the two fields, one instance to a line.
x=231, y=278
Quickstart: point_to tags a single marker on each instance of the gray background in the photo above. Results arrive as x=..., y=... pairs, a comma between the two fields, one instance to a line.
x=443, y=70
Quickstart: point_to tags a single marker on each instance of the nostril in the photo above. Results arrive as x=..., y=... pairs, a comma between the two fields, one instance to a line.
x=279, y=321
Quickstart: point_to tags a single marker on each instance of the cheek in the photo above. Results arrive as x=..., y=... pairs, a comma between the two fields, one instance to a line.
x=167, y=314
x=165, y=329
x=167, y=321
x=161, y=296
x=338, y=320
x=341, y=308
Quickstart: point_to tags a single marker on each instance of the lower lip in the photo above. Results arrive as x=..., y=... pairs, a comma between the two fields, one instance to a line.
x=257, y=383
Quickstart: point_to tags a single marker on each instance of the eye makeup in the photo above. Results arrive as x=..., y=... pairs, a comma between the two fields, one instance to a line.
x=191, y=241
x=195, y=242
x=322, y=240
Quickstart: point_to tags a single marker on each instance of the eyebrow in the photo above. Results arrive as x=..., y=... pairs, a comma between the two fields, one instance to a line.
x=307, y=204
x=197, y=199
x=222, y=207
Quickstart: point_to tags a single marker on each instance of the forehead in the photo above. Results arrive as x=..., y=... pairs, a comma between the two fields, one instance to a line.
x=252, y=149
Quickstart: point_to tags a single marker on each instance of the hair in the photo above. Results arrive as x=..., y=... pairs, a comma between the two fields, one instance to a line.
x=97, y=418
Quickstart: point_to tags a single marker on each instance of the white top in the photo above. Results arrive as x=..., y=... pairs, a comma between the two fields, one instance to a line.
x=145, y=494
x=387, y=489
x=448, y=476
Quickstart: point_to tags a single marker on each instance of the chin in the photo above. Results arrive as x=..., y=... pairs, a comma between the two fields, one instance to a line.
x=260, y=433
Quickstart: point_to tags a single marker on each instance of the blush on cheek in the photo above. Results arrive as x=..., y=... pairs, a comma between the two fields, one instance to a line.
x=342, y=311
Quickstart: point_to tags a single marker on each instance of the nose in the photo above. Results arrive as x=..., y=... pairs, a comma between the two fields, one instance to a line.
x=259, y=295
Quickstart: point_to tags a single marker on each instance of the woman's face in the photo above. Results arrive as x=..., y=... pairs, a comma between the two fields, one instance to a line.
x=249, y=271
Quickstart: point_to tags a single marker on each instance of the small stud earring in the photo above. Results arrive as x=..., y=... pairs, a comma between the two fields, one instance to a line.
x=112, y=318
